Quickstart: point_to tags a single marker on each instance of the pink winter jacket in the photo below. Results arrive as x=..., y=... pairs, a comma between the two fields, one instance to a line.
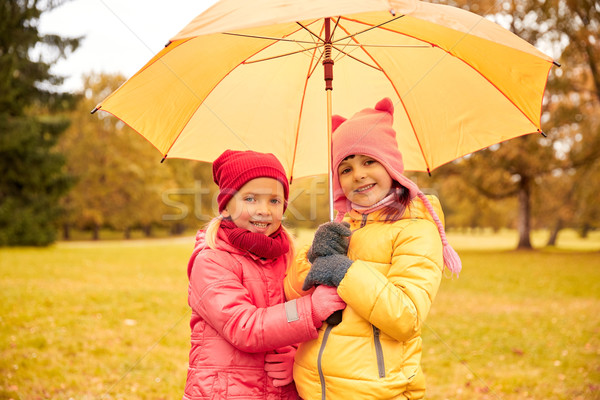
x=238, y=316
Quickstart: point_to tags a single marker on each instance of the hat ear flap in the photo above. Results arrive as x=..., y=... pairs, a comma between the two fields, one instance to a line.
x=336, y=121
x=386, y=105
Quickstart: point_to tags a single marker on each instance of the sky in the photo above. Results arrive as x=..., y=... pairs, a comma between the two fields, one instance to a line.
x=119, y=35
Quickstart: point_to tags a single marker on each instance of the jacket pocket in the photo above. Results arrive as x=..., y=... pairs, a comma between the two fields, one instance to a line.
x=416, y=385
x=200, y=384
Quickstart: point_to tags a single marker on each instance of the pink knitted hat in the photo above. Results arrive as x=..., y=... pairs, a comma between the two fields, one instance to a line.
x=369, y=132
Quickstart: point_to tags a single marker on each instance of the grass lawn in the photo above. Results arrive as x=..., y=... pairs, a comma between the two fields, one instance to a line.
x=109, y=320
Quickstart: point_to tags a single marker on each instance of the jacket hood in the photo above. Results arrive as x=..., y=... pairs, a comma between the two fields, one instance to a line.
x=198, y=247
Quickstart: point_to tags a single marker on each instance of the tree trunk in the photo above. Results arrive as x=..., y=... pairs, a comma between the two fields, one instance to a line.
x=177, y=229
x=524, y=225
x=554, y=234
x=584, y=231
x=148, y=230
x=96, y=232
x=127, y=233
x=66, y=231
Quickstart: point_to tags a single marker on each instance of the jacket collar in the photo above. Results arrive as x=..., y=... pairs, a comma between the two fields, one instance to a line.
x=416, y=210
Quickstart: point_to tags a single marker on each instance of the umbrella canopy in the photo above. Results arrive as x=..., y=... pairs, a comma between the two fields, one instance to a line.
x=248, y=75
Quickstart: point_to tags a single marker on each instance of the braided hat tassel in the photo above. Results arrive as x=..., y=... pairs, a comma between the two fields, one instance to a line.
x=451, y=258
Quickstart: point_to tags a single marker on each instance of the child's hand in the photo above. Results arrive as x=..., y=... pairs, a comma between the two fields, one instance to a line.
x=280, y=365
x=330, y=238
x=329, y=270
x=324, y=301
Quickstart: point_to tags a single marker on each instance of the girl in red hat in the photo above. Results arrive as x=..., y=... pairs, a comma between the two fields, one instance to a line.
x=243, y=333
x=386, y=260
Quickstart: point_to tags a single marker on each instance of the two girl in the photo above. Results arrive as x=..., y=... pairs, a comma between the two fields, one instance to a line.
x=386, y=261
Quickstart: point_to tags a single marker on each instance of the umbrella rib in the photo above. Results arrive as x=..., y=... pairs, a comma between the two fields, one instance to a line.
x=302, y=108
x=276, y=39
x=343, y=52
x=316, y=65
x=282, y=55
x=389, y=45
x=317, y=36
x=367, y=30
x=311, y=32
x=356, y=59
x=337, y=22
x=311, y=69
x=361, y=45
x=298, y=42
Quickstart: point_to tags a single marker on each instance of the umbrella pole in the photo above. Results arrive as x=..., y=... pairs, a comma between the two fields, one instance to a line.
x=329, y=161
x=336, y=317
x=328, y=69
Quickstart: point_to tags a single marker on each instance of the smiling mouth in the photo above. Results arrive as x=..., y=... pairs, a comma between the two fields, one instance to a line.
x=362, y=189
x=260, y=225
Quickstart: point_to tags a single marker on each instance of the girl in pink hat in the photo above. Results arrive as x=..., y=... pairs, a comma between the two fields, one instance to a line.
x=243, y=333
x=386, y=260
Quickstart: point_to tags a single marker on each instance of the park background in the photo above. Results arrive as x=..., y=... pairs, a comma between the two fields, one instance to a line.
x=95, y=232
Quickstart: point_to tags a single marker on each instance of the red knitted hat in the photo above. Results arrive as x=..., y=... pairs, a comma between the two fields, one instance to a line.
x=233, y=169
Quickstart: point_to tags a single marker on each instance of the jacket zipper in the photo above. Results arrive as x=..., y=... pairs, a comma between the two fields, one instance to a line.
x=376, y=340
x=378, y=352
x=364, y=220
x=319, y=367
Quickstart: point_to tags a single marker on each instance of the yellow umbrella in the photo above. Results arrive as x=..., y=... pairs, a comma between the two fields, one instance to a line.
x=248, y=75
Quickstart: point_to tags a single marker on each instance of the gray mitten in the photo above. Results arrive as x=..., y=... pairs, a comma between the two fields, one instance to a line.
x=328, y=270
x=330, y=238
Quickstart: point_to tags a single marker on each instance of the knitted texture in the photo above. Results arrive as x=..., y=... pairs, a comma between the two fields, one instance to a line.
x=233, y=169
x=451, y=258
x=271, y=247
x=330, y=238
x=328, y=270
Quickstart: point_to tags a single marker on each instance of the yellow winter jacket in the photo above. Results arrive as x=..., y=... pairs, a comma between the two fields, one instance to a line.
x=375, y=352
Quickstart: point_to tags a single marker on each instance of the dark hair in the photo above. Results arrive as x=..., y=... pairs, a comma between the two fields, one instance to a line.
x=394, y=212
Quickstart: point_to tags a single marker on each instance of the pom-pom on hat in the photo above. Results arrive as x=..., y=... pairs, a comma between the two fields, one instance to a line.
x=369, y=132
x=233, y=169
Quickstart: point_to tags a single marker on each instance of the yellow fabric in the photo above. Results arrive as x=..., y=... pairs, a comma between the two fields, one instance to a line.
x=391, y=286
x=458, y=81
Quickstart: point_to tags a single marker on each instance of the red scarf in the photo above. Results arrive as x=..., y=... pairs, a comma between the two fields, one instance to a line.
x=258, y=244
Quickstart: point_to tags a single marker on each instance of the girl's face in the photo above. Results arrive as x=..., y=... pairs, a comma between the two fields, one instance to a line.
x=364, y=180
x=257, y=206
